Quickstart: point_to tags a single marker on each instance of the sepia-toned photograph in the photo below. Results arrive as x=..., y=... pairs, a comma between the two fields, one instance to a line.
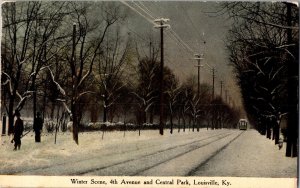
x=149, y=89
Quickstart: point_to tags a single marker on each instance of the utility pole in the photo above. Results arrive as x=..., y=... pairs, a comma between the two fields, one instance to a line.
x=150, y=46
x=213, y=122
x=226, y=95
x=161, y=25
x=221, y=91
x=198, y=57
x=213, y=84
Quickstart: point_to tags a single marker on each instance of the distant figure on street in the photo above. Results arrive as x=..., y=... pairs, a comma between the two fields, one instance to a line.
x=37, y=127
x=18, y=131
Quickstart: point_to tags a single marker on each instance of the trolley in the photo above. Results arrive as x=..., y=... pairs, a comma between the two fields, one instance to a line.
x=243, y=123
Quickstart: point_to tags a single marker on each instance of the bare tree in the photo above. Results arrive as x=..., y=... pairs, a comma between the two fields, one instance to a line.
x=113, y=61
x=18, y=28
x=145, y=93
x=172, y=99
x=84, y=50
x=263, y=51
x=184, y=97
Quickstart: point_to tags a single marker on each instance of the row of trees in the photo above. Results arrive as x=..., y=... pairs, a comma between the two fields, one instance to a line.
x=38, y=45
x=62, y=60
x=264, y=51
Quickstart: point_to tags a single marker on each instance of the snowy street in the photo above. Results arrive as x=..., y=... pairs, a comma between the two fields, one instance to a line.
x=206, y=153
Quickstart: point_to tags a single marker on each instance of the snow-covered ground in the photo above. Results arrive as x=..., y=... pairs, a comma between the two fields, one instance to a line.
x=205, y=153
x=251, y=155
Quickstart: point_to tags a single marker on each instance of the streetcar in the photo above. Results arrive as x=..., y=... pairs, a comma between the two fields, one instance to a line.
x=243, y=123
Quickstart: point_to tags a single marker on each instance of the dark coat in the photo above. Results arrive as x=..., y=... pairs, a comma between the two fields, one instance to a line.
x=38, y=124
x=19, y=127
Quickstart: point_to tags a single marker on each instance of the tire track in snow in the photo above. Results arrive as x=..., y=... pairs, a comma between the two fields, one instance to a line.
x=142, y=146
x=159, y=152
x=193, y=171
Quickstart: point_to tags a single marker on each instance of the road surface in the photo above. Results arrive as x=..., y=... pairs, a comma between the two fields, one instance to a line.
x=205, y=153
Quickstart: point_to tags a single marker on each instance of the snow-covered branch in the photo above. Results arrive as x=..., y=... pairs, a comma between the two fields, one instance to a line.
x=23, y=99
x=65, y=105
x=142, y=99
x=271, y=24
x=62, y=91
x=84, y=93
x=8, y=81
x=148, y=106
x=286, y=45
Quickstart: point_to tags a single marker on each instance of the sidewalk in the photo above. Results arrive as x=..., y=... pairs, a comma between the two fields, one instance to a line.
x=251, y=155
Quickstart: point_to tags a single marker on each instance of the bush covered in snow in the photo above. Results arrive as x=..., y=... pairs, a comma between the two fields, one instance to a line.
x=28, y=125
x=118, y=126
x=50, y=126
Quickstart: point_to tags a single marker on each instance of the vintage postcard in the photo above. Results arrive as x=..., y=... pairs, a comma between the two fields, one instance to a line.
x=149, y=94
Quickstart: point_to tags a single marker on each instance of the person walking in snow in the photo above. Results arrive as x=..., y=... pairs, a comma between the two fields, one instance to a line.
x=18, y=131
x=37, y=127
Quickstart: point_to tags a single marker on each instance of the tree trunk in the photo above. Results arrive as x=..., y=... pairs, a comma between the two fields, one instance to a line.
x=11, y=116
x=179, y=125
x=57, y=125
x=293, y=76
x=268, y=130
x=183, y=119
x=140, y=130
x=194, y=121
x=34, y=110
x=94, y=112
x=212, y=123
x=144, y=117
x=171, y=122
x=44, y=101
x=207, y=126
x=105, y=107
x=151, y=117
x=75, y=121
x=104, y=114
x=52, y=110
x=276, y=132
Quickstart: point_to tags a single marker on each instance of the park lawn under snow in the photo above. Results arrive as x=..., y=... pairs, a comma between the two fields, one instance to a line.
x=250, y=154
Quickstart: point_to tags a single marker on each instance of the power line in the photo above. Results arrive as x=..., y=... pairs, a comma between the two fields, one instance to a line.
x=149, y=14
x=145, y=40
x=145, y=7
x=175, y=37
x=185, y=44
x=171, y=30
x=193, y=25
x=144, y=16
x=179, y=43
x=135, y=10
x=191, y=33
x=138, y=35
